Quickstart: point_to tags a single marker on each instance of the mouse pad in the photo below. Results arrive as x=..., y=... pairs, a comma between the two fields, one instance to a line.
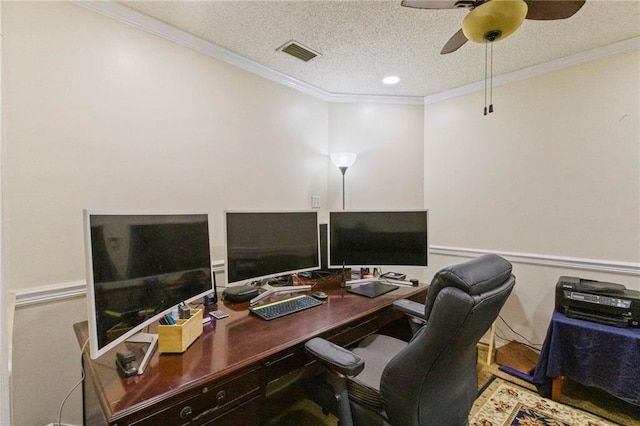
x=373, y=289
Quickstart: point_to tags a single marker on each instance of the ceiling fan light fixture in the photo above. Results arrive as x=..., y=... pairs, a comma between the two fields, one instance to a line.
x=494, y=20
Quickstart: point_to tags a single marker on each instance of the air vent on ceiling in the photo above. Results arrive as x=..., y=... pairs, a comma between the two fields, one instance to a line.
x=299, y=51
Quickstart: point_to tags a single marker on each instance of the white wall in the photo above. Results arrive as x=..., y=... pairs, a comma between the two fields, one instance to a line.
x=46, y=363
x=388, y=139
x=7, y=317
x=554, y=171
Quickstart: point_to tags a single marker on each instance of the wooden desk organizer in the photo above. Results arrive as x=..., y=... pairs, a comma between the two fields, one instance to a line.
x=177, y=338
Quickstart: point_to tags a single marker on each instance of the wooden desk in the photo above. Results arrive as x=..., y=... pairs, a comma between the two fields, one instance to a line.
x=222, y=378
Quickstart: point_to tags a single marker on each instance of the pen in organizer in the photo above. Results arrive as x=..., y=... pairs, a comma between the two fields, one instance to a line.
x=169, y=319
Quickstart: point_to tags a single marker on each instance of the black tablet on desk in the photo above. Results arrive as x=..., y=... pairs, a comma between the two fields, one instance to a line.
x=372, y=289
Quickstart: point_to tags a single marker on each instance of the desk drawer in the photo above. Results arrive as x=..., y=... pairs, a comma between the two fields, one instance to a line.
x=210, y=401
x=247, y=413
x=285, y=363
x=349, y=335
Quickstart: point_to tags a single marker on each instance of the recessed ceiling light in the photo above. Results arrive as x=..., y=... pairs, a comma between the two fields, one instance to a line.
x=392, y=79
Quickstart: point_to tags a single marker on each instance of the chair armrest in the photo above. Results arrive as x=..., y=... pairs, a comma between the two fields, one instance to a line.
x=334, y=357
x=410, y=307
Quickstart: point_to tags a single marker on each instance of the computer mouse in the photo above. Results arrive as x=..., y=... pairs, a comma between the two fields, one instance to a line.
x=321, y=295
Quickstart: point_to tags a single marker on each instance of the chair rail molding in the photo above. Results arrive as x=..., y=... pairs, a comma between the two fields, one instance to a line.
x=609, y=266
x=57, y=292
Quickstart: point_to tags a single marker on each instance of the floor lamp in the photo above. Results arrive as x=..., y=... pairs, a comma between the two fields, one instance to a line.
x=343, y=160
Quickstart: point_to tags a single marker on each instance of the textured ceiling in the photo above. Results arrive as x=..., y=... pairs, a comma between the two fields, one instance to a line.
x=363, y=41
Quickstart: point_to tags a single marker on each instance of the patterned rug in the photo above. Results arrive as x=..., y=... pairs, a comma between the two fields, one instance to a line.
x=502, y=403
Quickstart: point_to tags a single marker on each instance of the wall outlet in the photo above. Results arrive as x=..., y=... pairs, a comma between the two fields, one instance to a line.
x=315, y=201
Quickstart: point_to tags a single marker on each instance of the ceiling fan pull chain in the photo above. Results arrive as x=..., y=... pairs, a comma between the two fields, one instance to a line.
x=485, y=77
x=491, y=86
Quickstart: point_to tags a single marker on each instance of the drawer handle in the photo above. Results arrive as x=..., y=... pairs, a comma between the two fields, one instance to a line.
x=219, y=398
x=186, y=413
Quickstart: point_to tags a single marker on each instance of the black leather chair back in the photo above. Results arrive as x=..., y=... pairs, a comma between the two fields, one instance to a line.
x=433, y=381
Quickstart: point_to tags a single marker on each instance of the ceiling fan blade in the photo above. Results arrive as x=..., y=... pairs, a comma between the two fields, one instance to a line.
x=545, y=10
x=433, y=4
x=454, y=43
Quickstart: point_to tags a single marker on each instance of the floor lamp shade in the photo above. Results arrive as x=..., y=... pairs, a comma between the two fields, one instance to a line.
x=343, y=159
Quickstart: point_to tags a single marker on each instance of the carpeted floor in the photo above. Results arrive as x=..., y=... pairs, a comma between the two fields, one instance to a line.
x=505, y=403
x=587, y=399
x=597, y=401
x=303, y=412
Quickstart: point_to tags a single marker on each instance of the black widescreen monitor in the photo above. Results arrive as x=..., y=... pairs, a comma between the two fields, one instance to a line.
x=378, y=238
x=139, y=267
x=261, y=245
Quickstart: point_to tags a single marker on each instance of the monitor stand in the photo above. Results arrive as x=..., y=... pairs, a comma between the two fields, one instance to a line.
x=269, y=290
x=152, y=340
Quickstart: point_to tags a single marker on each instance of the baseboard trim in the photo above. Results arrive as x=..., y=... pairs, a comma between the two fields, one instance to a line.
x=609, y=266
x=64, y=291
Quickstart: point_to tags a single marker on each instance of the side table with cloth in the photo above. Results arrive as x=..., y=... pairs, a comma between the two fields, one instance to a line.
x=591, y=354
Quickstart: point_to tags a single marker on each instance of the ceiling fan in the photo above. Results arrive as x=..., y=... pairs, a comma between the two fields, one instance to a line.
x=491, y=20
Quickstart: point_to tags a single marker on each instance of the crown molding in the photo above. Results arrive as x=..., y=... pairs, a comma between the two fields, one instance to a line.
x=537, y=70
x=153, y=26
x=381, y=99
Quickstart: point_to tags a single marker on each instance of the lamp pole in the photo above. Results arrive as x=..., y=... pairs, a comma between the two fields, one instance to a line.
x=343, y=160
x=343, y=170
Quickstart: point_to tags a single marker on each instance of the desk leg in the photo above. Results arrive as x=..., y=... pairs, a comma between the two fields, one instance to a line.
x=556, y=387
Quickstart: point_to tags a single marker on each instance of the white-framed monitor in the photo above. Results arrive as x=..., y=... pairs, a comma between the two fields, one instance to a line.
x=266, y=244
x=139, y=267
x=378, y=238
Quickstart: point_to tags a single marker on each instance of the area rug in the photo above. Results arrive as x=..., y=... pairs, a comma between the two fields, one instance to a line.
x=502, y=403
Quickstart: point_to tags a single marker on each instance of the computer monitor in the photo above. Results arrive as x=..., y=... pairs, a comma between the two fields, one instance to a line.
x=139, y=267
x=262, y=245
x=378, y=238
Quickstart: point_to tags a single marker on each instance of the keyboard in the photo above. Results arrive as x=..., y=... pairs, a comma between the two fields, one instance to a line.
x=285, y=307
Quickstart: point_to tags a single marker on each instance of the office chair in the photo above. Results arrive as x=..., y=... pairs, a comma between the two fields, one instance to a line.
x=432, y=379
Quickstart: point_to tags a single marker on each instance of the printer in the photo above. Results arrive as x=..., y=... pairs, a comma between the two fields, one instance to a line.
x=597, y=301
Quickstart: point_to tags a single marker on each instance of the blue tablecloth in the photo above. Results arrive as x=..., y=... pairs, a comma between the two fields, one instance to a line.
x=592, y=354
